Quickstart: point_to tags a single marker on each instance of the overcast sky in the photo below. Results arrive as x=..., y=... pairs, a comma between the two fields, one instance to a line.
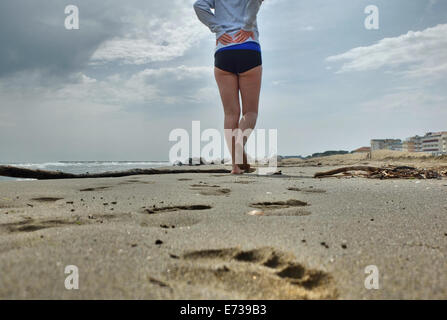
x=137, y=69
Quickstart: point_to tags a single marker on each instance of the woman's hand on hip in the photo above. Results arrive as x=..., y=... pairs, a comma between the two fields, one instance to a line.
x=243, y=35
x=225, y=39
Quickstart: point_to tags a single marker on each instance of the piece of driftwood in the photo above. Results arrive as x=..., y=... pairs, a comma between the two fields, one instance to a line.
x=393, y=172
x=17, y=172
x=345, y=169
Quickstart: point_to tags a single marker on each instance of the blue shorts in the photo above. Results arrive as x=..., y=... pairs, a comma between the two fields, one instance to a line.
x=238, y=58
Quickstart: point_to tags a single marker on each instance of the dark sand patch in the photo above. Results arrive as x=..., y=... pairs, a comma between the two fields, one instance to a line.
x=184, y=179
x=264, y=273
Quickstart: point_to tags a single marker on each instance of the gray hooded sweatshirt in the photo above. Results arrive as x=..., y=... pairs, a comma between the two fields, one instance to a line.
x=229, y=17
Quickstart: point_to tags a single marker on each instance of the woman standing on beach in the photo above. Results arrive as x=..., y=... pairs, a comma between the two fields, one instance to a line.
x=237, y=67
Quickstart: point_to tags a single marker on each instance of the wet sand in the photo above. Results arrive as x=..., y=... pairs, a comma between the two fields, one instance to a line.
x=189, y=236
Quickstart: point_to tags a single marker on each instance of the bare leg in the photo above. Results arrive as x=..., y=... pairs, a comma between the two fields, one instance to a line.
x=250, y=87
x=229, y=93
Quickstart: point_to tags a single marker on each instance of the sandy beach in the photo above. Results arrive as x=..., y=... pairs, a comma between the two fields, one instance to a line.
x=190, y=236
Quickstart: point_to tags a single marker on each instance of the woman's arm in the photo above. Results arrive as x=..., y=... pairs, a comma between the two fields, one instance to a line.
x=206, y=16
x=250, y=14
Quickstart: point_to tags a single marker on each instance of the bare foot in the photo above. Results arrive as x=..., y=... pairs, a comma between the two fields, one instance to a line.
x=236, y=170
x=244, y=166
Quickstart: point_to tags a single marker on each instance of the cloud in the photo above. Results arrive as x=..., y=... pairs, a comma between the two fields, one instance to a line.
x=118, y=117
x=308, y=28
x=178, y=84
x=407, y=101
x=69, y=130
x=183, y=85
x=151, y=38
x=34, y=37
x=414, y=54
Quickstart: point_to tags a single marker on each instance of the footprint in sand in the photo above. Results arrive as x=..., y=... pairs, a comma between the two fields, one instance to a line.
x=291, y=207
x=204, y=185
x=264, y=273
x=171, y=222
x=279, y=204
x=96, y=188
x=307, y=190
x=136, y=181
x=30, y=225
x=154, y=209
x=9, y=203
x=210, y=190
x=46, y=199
x=287, y=212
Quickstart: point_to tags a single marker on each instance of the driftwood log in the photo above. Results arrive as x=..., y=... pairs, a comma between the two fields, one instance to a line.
x=387, y=173
x=345, y=169
x=17, y=172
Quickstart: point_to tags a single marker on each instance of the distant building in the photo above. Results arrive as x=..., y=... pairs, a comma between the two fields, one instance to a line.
x=362, y=149
x=434, y=143
x=412, y=144
x=387, y=144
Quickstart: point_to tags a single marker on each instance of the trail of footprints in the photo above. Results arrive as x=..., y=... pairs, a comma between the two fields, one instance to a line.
x=291, y=207
x=263, y=273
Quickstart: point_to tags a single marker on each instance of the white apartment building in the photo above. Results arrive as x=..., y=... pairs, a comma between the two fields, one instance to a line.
x=435, y=143
x=412, y=144
x=432, y=142
x=389, y=144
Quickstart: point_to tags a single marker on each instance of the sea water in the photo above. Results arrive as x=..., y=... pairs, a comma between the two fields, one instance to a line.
x=86, y=166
